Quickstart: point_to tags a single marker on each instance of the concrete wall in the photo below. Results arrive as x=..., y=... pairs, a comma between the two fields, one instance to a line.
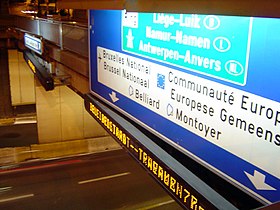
x=64, y=126
x=21, y=80
x=61, y=116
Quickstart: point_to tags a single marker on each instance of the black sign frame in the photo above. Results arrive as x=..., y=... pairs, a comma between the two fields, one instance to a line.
x=39, y=71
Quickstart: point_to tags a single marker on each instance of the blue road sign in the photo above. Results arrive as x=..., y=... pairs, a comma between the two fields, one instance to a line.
x=206, y=84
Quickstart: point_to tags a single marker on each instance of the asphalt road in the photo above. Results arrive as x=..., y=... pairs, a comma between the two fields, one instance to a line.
x=109, y=180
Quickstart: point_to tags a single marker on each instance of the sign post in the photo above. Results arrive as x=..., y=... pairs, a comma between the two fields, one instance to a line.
x=205, y=84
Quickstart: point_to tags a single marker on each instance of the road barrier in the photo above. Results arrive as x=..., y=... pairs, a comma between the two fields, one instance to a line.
x=7, y=156
x=16, y=155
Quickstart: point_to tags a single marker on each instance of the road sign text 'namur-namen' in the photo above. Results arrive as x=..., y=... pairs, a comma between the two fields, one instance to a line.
x=206, y=84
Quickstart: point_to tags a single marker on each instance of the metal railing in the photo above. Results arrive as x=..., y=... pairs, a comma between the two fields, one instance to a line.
x=65, y=34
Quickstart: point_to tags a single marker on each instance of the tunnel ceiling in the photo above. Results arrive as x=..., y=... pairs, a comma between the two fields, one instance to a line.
x=268, y=8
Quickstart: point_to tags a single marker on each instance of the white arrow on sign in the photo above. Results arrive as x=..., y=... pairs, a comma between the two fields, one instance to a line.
x=114, y=97
x=258, y=180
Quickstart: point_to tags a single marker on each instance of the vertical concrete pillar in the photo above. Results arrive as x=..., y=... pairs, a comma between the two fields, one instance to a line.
x=6, y=109
x=61, y=116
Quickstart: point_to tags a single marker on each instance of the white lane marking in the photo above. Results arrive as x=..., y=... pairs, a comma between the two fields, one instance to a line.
x=104, y=178
x=16, y=198
x=156, y=205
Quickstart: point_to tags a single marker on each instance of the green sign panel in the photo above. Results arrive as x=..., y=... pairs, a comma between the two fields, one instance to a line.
x=217, y=46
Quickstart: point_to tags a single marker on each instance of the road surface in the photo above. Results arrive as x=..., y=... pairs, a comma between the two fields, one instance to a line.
x=108, y=180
